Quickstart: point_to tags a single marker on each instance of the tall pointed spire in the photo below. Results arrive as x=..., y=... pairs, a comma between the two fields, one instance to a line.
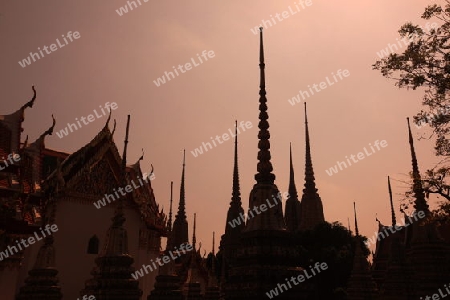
x=394, y=220
x=310, y=185
x=181, y=206
x=236, y=195
x=292, y=188
x=235, y=205
x=180, y=225
x=265, y=187
x=420, y=204
x=264, y=168
x=311, y=205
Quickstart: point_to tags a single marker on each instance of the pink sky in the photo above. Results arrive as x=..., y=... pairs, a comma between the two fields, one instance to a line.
x=117, y=58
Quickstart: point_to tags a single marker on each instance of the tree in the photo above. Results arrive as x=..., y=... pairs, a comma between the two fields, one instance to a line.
x=425, y=63
x=333, y=244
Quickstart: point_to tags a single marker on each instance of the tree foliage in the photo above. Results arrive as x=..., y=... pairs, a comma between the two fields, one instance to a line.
x=333, y=244
x=425, y=63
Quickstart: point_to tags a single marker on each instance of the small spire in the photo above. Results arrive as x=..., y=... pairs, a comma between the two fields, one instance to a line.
x=420, y=204
x=292, y=187
x=170, y=211
x=348, y=221
x=394, y=221
x=194, y=239
x=310, y=185
x=264, y=167
x=236, y=195
x=181, y=206
x=124, y=156
x=356, y=220
x=214, y=244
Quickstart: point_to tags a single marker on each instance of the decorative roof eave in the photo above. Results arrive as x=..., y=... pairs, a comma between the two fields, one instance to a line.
x=98, y=146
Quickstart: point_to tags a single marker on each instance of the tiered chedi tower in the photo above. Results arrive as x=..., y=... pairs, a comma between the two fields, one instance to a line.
x=311, y=205
x=230, y=241
x=112, y=276
x=427, y=253
x=179, y=234
x=265, y=257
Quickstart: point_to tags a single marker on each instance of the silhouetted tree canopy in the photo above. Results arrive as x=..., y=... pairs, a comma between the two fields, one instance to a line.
x=331, y=243
x=426, y=63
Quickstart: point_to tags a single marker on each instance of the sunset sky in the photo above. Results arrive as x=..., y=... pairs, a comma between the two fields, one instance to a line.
x=118, y=58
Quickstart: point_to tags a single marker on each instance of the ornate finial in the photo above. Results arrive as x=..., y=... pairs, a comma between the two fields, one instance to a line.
x=292, y=187
x=31, y=102
x=236, y=194
x=394, y=221
x=356, y=221
x=264, y=168
x=50, y=130
x=420, y=203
